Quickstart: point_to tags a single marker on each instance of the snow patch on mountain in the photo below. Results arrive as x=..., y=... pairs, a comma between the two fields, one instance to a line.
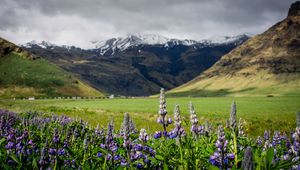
x=123, y=43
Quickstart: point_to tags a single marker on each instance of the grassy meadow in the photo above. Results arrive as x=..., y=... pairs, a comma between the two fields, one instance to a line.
x=273, y=113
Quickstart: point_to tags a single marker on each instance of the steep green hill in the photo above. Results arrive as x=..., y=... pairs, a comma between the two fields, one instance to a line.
x=24, y=75
x=267, y=64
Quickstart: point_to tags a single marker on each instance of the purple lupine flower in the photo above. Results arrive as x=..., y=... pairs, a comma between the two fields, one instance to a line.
x=241, y=127
x=139, y=166
x=276, y=140
x=132, y=127
x=247, y=162
x=193, y=119
x=102, y=145
x=163, y=111
x=201, y=130
x=267, y=144
x=157, y=134
x=266, y=135
x=159, y=120
x=162, y=104
x=295, y=147
x=10, y=145
x=259, y=141
x=117, y=157
x=169, y=121
x=138, y=147
x=19, y=146
x=61, y=151
x=109, y=135
x=99, y=154
x=143, y=135
x=124, y=162
x=221, y=158
x=52, y=151
x=178, y=130
x=125, y=131
x=113, y=147
x=108, y=156
x=10, y=136
x=55, y=138
x=30, y=142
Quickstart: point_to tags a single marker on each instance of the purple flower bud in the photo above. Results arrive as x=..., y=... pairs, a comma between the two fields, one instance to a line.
x=194, y=128
x=61, y=151
x=19, y=146
x=123, y=162
x=19, y=138
x=140, y=166
x=30, y=142
x=230, y=156
x=146, y=160
x=99, y=154
x=10, y=137
x=138, y=147
x=169, y=121
x=157, y=135
x=159, y=120
x=173, y=135
x=109, y=156
x=52, y=151
x=266, y=135
x=102, y=145
x=117, y=157
x=10, y=145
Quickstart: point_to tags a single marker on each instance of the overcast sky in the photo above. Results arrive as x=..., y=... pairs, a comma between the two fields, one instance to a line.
x=77, y=22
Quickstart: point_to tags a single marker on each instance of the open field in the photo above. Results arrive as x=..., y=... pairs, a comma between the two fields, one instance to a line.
x=274, y=113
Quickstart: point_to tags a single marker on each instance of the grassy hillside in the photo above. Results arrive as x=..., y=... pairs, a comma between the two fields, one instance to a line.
x=24, y=77
x=267, y=64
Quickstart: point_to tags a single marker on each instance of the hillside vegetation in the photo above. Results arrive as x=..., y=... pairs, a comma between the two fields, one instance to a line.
x=24, y=75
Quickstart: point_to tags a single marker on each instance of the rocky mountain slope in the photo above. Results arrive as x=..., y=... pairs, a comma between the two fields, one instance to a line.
x=267, y=64
x=137, y=65
x=23, y=74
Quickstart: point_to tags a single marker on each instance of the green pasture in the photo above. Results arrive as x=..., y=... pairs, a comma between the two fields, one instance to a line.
x=273, y=113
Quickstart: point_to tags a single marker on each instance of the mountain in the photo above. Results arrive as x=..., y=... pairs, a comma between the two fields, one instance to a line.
x=267, y=64
x=109, y=47
x=137, y=65
x=24, y=74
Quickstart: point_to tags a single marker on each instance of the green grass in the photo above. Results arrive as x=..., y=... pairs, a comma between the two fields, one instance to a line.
x=274, y=113
x=22, y=77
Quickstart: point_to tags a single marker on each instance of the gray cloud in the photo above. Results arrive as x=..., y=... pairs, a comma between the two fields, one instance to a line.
x=78, y=22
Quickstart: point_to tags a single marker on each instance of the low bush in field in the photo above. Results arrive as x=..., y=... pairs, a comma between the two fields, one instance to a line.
x=43, y=141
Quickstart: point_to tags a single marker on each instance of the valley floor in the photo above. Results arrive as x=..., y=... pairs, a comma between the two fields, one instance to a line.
x=260, y=113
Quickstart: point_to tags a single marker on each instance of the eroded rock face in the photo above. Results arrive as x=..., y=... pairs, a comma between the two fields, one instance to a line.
x=6, y=47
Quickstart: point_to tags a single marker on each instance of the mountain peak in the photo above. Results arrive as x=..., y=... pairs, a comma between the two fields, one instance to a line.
x=122, y=43
x=294, y=9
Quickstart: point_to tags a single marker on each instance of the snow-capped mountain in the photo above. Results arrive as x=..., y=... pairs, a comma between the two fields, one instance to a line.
x=44, y=45
x=137, y=64
x=122, y=43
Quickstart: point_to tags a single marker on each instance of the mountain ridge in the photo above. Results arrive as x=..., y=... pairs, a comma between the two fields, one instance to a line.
x=140, y=70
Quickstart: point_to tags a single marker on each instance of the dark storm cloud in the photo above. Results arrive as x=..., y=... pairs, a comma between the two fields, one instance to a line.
x=77, y=21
